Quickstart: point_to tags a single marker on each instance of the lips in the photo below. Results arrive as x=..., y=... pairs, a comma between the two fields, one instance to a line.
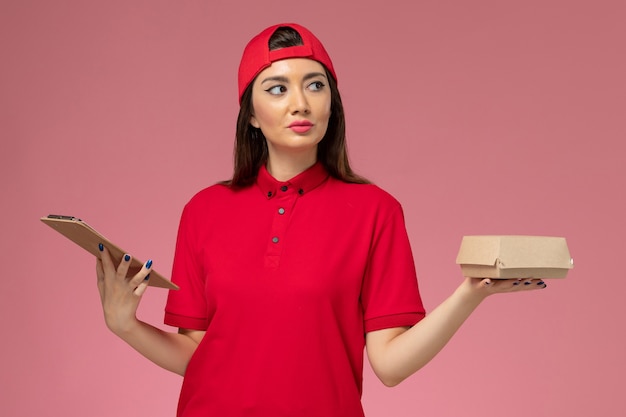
x=301, y=126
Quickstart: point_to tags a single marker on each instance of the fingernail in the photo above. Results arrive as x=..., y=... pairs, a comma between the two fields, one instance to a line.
x=101, y=247
x=516, y=283
x=527, y=283
x=147, y=277
x=544, y=285
x=127, y=257
x=541, y=283
x=149, y=264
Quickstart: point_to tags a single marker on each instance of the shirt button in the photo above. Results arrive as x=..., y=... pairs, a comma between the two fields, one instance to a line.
x=281, y=211
x=275, y=239
x=269, y=194
x=284, y=188
x=300, y=191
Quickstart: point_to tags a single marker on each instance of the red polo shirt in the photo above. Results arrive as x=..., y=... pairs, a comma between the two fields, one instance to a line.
x=286, y=278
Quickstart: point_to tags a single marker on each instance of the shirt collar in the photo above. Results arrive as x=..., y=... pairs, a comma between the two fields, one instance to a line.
x=301, y=183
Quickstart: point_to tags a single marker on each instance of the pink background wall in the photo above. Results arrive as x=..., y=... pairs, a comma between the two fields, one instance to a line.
x=481, y=117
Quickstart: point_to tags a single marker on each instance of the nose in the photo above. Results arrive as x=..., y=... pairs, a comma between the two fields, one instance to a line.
x=298, y=102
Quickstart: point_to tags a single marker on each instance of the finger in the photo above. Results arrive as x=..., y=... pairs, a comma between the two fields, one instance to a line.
x=142, y=275
x=500, y=285
x=506, y=285
x=141, y=288
x=477, y=282
x=536, y=284
x=528, y=284
x=122, y=268
x=99, y=270
x=99, y=276
x=511, y=285
x=105, y=257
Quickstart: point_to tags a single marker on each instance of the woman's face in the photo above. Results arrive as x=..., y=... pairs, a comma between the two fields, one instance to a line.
x=291, y=105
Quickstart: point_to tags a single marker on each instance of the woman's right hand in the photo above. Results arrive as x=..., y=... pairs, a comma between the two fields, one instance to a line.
x=120, y=295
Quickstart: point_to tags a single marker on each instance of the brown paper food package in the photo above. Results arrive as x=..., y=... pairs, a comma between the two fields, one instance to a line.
x=514, y=257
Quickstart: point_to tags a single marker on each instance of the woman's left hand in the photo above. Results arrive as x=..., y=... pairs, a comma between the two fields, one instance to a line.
x=488, y=286
x=396, y=353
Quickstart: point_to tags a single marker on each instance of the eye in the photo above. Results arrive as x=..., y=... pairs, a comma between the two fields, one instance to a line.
x=316, y=86
x=276, y=90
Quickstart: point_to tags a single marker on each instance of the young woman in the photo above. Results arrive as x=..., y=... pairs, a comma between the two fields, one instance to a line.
x=288, y=270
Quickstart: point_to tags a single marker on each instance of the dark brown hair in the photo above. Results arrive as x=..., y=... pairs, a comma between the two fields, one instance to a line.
x=250, y=144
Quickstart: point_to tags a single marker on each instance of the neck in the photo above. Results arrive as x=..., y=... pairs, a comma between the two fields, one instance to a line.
x=285, y=167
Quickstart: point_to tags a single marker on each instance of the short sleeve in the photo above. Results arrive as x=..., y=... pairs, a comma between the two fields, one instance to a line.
x=187, y=307
x=390, y=294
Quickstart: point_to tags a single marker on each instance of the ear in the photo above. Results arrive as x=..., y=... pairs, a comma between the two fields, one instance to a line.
x=254, y=122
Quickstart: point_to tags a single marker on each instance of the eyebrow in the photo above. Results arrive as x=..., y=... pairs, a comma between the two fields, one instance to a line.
x=283, y=79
